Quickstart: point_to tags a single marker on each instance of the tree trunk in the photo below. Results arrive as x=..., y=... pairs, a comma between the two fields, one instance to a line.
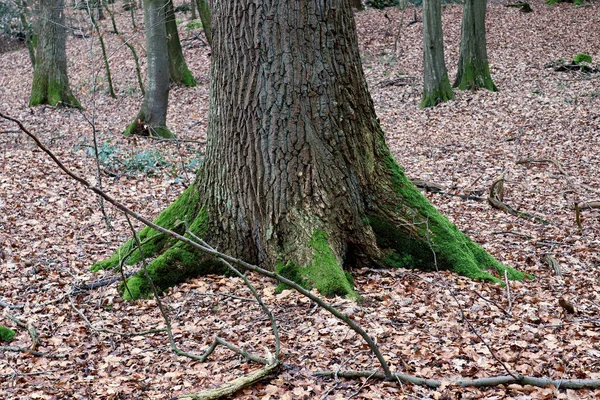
x=436, y=85
x=152, y=119
x=50, y=78
x=357, y=4
x=205, y=17
x=193, y=9
x=178, y=69
x=297, y=175
x=473, y=69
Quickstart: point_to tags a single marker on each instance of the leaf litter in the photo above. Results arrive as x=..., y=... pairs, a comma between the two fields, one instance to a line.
x=51, y=230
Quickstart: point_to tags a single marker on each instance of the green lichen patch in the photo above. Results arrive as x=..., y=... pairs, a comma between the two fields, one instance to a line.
x=453, y=249
x=324, y=272
x=153, y=242
x=6, y=334
x=582, y=57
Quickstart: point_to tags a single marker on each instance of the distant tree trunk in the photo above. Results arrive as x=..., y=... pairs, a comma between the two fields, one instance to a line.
x=436, y=85
x=297, y=175
x=178, y=69
x=152, y=119
x=205, y=17
x=193, y=8
x=473, y=69
x=50, y=78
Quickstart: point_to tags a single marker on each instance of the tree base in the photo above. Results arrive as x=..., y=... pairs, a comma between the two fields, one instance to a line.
x=441, y=94
x=141, y=128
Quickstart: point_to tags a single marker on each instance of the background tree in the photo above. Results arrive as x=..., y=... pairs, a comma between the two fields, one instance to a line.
x=205, y=17
x=152, y=118
x=473, y=69
x=297, y=175
x=436, y=85
x=178, y=69
x=50, y=78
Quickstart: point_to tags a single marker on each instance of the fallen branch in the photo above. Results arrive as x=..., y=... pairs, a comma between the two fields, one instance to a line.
x=431, y=187
x=495, y=199
x=552, y=263
x=582, y=205
x=233, y=386
x=482, y=382
x=35, y=339
x=32, y=352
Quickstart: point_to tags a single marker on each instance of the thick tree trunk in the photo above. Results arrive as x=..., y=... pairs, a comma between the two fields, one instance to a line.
x=473, y=69
x=297, y=176
x=436, y=85
x=152, y=119
x=178, y=69
x=50, y=78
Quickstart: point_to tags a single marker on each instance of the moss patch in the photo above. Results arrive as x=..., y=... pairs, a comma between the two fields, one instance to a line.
x=6, y=334
x=474, y=77
x=441, y=94
x=323, y=273
x=453, y=249
x=154, y=242
x=139, y=127
x=175, y=265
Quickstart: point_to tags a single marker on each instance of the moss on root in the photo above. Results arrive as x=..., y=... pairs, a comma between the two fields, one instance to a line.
x=6, y=334
x=154, y=242
x=435, y=233
x=139, y=127
x=178, y=263
x=324, y=272
x=474, y=77
x=441, y=94
x=52, y=92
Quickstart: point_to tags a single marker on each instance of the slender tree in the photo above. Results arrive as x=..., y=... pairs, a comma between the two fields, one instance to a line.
x=152, y=118
x=297, y=175
x=50, y=78
x=205, y=17
x=436, y=85
x=178, y=69
x=473, y=69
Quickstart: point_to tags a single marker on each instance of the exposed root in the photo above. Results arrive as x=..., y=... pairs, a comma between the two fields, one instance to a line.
x=495, y=199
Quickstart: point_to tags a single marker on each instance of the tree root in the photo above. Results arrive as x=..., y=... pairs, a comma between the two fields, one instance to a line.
x=233, y=386
x=495, y=199
x=481, y=382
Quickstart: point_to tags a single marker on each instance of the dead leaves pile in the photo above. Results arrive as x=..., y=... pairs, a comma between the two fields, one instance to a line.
x=51, y=231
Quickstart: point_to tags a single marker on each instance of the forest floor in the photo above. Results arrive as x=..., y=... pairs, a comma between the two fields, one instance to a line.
x=427, y=324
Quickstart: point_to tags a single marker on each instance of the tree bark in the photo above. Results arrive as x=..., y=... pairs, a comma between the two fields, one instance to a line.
x=50, y=78
x=436, y=85
x=152, y=118
x=473, y=69
x=178, y=69
x=297, y=175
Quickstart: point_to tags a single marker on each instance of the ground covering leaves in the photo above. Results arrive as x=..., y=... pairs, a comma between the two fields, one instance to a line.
x=52, y=231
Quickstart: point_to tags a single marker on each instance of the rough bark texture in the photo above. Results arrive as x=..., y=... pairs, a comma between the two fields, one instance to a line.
x=50, y=78
x=152, y=118
x=436, y=85
x=473, y=69
x=178, y=69
x=297, y=175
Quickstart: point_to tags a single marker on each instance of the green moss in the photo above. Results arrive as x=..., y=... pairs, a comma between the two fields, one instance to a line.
x=441, y=94
x=474, y=77
x=154, y=242
x=453, y=249
x=139, y=127
x=175, y=265
x=51, y=92
x=582, y=57
x=6, y=334
x=186, y=78
x=323, y=273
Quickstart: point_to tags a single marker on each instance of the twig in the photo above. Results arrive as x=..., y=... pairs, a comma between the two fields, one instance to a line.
x=32, y=352
x=482, y=382
x=494, y=198
x=35, y=339
x=11, y=306
x=552, y=263
x=512, y=233
x=508, y=296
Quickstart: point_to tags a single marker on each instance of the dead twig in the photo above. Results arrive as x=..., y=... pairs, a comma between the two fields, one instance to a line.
x=495, y=196
x=552, y=263
x=35, y=339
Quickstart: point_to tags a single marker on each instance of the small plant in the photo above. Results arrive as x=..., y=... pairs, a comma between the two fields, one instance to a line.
x=581, y=58
x=193, y=24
